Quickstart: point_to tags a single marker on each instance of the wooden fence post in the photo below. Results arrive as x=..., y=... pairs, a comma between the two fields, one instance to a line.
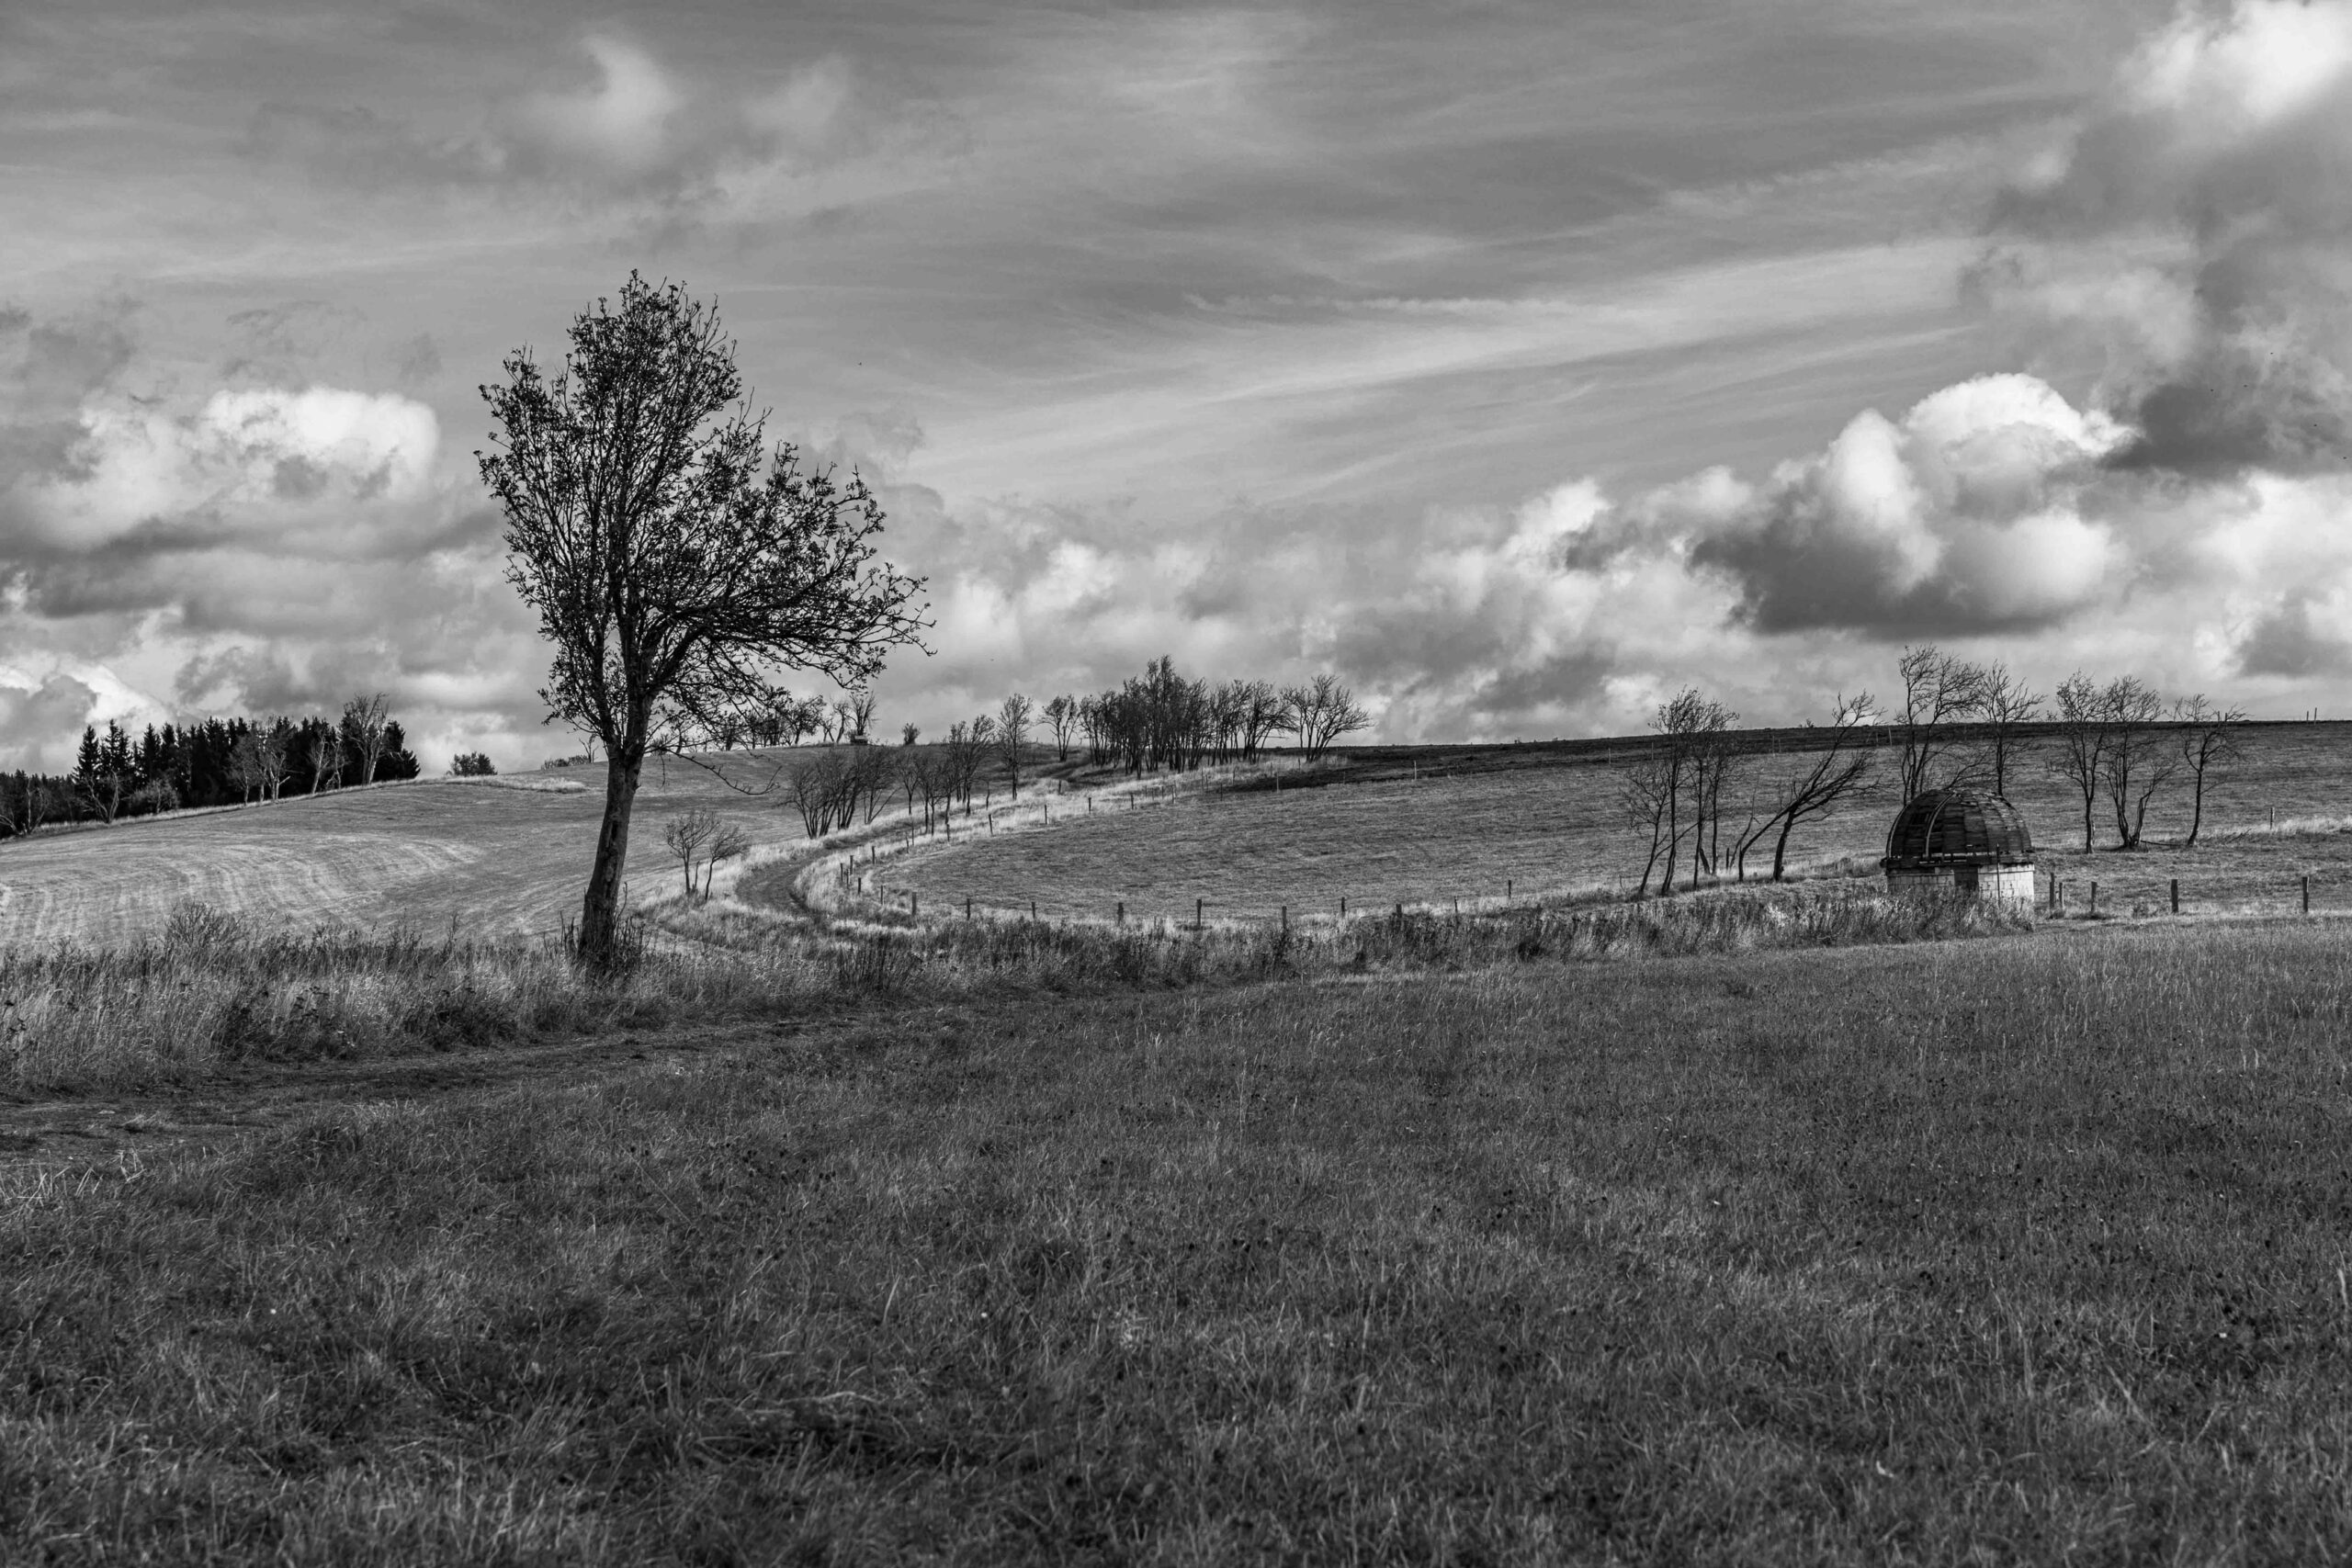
x=1198, y=905
x=2176, y=895
x=2307, y=895
x=2094, y=897
x=914, y=906
x=1285, y=919
x=1120, y=918
x=967, y=908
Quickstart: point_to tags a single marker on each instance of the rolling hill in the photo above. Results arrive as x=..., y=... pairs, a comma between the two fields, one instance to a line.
x=493, y=859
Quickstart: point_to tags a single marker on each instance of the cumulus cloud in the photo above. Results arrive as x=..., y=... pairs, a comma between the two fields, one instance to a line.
x=2187, y=238
x=42, y=714
x=1967, y=515
x=2178, y=509
x=1460, y=621
x=2160, y=487
x=2194, y=228
x=321, y=470
x=258, y=545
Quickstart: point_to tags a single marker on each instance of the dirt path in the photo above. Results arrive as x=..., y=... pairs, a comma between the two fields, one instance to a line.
x=101, y=1124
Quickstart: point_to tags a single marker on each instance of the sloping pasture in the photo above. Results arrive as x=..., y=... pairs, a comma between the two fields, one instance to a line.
x=493, y=859
x=1428, y=825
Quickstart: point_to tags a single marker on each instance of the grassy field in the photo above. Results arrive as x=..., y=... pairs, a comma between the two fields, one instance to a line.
x=216, y=994
x=2023, y=1249
x=1431, y=826
x=1754, y=1226
x=1417, y=827
x=493, y=859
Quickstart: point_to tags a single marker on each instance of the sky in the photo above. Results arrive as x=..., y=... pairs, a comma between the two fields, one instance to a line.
x=1522, y=364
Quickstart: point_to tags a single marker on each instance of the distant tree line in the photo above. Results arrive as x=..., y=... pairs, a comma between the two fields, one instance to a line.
x=1705, y=797
x=1158, y=720
x=214, y=763
x=1163, y=721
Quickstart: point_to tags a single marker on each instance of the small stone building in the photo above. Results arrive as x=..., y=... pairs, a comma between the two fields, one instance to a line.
x=1956, y=841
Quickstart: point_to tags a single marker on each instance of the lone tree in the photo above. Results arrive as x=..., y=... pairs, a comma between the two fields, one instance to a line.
x=677, y=565
x=686, y=834
x=1322, y=711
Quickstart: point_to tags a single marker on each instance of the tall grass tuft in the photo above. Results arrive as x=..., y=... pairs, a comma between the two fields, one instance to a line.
x=212, y=991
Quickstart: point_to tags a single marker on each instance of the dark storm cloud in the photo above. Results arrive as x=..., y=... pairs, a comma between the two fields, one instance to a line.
x=48, y=368
x=2244, y=410
x=1573, y=680
x=2288, y=641
x=55, y=709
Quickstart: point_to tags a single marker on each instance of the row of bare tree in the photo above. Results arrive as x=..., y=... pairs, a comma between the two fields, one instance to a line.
x=1707, y=797
x=1162, y=719
x=783, y=720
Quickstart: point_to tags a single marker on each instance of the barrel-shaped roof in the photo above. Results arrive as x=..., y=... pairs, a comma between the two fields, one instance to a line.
x=1956, y=827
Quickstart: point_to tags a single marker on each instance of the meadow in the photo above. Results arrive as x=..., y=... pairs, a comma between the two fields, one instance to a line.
x=494, y=858
x=1939, y=1253
x=1428, y=825
x=1763, y=1224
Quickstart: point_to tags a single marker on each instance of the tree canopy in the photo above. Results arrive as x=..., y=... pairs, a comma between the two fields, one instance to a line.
x=678, y=564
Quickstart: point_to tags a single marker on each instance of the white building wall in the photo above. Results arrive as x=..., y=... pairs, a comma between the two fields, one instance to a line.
x=2008, y=884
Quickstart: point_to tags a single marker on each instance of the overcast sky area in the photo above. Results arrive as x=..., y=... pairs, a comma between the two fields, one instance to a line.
x=1520, y=363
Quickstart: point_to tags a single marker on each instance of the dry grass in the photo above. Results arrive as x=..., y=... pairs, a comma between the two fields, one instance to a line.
x=1544, y=824
x=214, y=991
x=508, y=859
x=2020, y=1250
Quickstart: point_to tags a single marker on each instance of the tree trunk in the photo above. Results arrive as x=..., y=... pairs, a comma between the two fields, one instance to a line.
x=600, y=910
x=2197, y=811
x=1673, y=830
x=2091, y=804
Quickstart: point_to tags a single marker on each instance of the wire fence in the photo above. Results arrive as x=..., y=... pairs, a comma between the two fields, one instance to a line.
x=855, y=871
